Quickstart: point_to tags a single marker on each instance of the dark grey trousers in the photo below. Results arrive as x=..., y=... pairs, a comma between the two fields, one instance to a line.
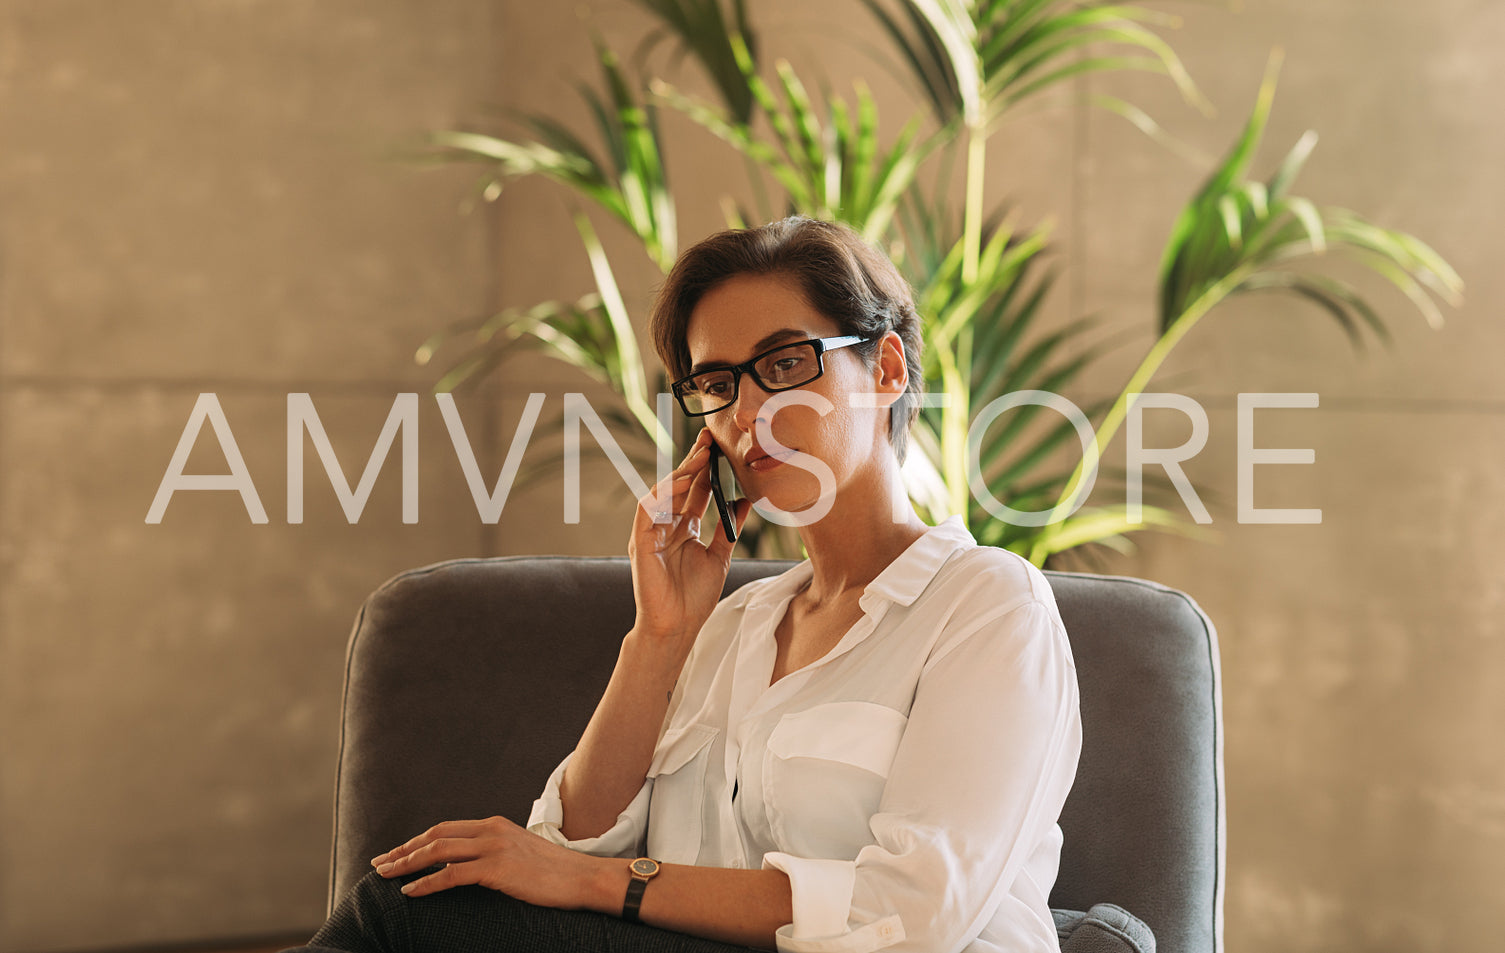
x=376, y=918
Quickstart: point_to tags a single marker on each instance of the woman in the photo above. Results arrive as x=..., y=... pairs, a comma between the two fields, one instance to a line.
x=867, y=752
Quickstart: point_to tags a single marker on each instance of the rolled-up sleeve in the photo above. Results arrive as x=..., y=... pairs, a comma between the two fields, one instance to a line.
x=974, y=792
x=821, y=891
x=625, y=838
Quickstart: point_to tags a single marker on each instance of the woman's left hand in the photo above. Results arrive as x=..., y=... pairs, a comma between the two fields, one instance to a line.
x=493, y=853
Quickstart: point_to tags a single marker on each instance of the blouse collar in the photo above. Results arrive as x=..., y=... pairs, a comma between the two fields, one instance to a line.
x=900, y=582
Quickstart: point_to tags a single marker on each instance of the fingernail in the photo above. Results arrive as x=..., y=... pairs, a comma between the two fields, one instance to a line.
x=386, y=867
x=406, y=888
x=376, y=861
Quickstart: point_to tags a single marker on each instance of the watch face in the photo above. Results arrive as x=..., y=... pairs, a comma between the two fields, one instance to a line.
x=645, y=867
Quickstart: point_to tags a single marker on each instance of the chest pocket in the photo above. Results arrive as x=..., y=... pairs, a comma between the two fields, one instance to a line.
x=824, y=773
x=677, y=803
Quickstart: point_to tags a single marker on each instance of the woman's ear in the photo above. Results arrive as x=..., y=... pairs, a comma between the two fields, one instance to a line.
x=890, y=370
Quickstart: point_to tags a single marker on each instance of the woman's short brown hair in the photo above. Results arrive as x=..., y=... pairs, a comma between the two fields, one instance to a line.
x=840, y=275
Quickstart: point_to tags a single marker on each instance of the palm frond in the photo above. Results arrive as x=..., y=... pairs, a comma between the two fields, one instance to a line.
x=974, y=61
x=704, y=29
x=631, y=182
x=1104, y=525
x=830, y=167
x=1237, y=236
x=619, y=347
x=490, y=340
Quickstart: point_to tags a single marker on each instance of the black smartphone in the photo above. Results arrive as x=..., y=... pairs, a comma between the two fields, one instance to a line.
x=726, y=491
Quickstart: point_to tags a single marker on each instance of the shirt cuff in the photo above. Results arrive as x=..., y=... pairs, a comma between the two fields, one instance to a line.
x=622, y=839
x=821, y=895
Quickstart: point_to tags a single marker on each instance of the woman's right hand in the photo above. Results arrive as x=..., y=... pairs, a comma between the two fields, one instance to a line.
x=676, y=578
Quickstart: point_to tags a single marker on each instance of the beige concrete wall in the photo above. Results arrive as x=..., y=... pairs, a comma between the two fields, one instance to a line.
x=194, y=197
x=1362, y=657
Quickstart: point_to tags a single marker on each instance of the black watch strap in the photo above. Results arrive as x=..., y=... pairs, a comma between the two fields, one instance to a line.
x=643, y=870
x=634, y=902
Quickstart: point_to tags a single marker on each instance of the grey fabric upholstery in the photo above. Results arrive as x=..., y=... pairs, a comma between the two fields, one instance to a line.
x=1106, y=928
x=468, y=680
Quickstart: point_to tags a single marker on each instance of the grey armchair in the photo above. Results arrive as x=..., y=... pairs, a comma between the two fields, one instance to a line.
x=467, y=681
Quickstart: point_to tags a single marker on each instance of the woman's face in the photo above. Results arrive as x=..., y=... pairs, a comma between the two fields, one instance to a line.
x=747, y=315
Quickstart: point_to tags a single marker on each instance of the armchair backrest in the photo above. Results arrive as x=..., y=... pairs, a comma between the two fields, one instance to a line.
x=467, y=681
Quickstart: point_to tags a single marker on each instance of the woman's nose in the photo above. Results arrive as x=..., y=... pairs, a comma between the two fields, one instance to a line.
x=748, y=405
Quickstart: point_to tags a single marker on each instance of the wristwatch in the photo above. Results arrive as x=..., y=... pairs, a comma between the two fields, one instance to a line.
x=643, y=870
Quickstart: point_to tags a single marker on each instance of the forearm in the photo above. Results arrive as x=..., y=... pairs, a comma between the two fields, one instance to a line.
x=612, y=758
x=745, y=907
x=741, y=907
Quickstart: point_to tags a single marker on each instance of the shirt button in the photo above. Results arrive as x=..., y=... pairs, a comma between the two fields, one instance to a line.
x=737, y=863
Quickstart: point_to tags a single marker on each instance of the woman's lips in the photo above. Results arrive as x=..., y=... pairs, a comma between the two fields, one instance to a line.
x=761, y=461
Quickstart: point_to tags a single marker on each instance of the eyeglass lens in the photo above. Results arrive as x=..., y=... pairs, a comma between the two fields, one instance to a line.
x=782, y=369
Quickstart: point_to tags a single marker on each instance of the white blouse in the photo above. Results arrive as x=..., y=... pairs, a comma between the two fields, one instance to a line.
x=909, y=782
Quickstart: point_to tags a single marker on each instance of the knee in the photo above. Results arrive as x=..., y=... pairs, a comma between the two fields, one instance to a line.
x=387, y=890
x=372, y=899
x=367, y=918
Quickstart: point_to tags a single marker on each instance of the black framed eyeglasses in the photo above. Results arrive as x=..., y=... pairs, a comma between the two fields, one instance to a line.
x=781, y=368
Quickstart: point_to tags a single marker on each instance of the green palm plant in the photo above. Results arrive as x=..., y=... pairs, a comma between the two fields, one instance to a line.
x=828, y=168
x=974, y=63
x=983, y=343
x=960, y=311
x=1238, y=235
x=975, y=60
x=981, y=349
x=980, y=279
x=595, y=332
x=632, y=185
x=720, y=39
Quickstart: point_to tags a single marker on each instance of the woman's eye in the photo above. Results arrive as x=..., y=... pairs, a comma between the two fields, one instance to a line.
x=716, y=388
